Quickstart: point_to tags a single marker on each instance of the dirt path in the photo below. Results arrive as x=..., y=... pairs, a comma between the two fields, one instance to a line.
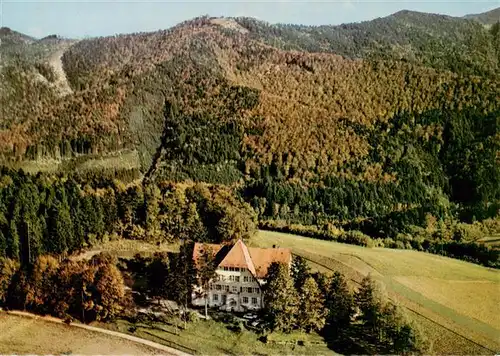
x=167, y=350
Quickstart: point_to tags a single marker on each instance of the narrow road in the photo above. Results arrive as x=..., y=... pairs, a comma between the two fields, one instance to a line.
x=166, y=349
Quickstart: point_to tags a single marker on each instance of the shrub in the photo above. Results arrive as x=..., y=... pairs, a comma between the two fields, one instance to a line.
x=356, y=238
x=8, y=269
x=467, y=232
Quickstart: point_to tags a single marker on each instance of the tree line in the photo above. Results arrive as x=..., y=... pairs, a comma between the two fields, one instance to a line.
x=360, y=322
x=84, y=290
x=58, y=215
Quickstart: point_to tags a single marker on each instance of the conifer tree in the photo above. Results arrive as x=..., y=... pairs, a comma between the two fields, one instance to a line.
x=339, y=303
x=61, y=228
x=110, y=210
x=98, y=227
x=280, y=298
x=183, y=276
x=77, y=216
x=399, y=334
x=206, y=272
x=158, y=275
x=3, y=244
x=88, y=218
x=152, y=197
x=312, y=313
x=300, y=271
x=13, y=243
x=370, y=302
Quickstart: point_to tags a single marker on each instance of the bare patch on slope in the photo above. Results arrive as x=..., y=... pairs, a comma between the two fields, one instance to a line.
x=61, y=82
x=229, y=24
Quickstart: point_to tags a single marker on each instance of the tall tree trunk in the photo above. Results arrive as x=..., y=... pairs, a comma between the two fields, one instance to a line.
x=206, y=306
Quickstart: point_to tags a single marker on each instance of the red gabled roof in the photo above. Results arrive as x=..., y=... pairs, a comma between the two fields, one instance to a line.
x=264, y=257
x=199, y=247
x=238, y=256
x=256, y=260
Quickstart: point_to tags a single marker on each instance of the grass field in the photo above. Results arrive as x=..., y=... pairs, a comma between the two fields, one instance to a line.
x=127, y=248
x=21, y=335
x=213, y=338
x=454, y=300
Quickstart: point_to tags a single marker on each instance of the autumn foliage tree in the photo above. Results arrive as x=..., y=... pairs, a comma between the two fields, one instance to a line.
x=281, y=298
x=86, y=290
x=8, y=269
x=311, y=312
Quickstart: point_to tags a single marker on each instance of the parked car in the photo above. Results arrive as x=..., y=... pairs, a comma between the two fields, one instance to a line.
x=250, y=316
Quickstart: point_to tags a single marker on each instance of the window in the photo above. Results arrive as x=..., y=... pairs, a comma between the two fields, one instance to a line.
x=218, y=287
x=237, y=278
x=257, y=290
x=211, y=286
x=245, y=279
x=254, y=301
x=227, y=288
x=216, y=297
x=245, y=300
x=235, y=289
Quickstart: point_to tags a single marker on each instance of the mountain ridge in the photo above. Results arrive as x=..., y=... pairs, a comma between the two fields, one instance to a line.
x=486, y=18
x=397, y=113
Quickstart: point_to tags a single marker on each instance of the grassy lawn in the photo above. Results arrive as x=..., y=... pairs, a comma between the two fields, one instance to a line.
x=214, y=338
x=127, y=248
x=462, y=295
x=21, y=335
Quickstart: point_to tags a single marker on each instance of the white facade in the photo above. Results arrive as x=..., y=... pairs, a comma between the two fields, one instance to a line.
x=234, y=289
x=240, y=275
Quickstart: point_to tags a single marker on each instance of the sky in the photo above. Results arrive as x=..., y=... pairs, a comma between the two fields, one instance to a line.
x=80, y=19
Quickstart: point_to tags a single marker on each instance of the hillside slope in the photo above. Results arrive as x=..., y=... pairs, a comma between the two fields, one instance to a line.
x=438, y=41
x=486, y=18
x=373, y=126
x=452, y=300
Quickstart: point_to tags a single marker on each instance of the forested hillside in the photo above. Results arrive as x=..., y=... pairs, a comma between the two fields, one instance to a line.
x=486, y=18
x=437, y=41
x=387, y=126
